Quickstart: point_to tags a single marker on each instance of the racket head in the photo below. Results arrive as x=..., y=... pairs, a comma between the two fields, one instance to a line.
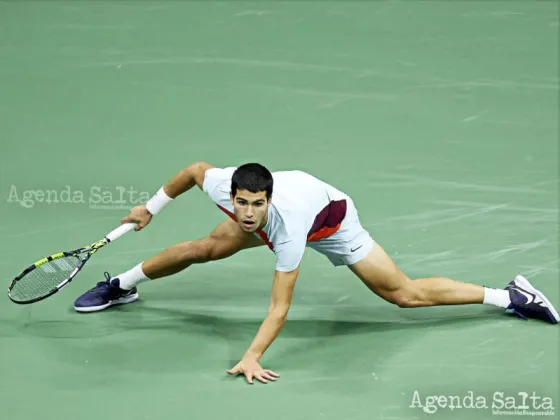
x=47, y=276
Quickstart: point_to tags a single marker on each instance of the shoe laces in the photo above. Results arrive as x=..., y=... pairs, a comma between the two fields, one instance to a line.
x=103, y=285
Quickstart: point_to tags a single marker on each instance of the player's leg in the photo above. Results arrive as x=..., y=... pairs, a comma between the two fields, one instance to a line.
x=226, y=240
x=354, y=247
x=381, y=275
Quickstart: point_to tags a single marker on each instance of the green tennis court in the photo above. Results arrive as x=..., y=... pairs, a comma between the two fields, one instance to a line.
x=439, y=118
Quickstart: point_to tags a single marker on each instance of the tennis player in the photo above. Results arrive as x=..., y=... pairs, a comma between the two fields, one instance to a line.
x=289, y=212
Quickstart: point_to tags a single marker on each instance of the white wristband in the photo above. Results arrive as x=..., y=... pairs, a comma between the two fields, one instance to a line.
x=156, y=204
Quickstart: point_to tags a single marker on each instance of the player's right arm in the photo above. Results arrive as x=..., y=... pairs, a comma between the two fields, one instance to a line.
x=186, y=179
x=182, y=182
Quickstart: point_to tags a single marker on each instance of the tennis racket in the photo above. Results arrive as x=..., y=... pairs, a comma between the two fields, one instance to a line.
x=50, y=274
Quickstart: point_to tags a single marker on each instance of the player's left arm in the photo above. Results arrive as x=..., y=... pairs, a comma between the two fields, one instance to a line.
x=280, y=301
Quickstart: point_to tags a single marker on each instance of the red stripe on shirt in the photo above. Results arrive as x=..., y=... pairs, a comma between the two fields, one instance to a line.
x=259, y=230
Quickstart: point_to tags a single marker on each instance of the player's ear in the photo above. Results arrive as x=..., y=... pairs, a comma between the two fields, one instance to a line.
x=231, y=197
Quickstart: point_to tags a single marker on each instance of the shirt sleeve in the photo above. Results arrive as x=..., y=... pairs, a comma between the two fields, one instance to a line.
x=217, y=183
x=289, y=254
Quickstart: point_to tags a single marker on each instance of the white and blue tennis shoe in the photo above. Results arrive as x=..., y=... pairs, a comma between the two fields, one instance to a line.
x=528, y=302
x=105, y=294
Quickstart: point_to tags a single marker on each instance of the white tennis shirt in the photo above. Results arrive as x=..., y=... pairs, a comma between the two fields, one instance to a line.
x=303, y=209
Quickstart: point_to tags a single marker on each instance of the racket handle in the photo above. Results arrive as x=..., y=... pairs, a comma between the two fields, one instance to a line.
x=121, y=230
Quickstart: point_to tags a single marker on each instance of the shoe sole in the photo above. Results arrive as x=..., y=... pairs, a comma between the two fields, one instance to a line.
x=122, y=301
x=524, y=283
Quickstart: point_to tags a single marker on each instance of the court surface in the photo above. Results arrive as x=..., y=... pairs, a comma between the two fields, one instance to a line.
x=440, y=119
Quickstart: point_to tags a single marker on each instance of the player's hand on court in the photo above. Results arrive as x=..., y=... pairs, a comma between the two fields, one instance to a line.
x=253, y=370
x=139, y=215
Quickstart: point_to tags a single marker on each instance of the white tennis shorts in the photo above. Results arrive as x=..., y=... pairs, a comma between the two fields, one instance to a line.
x=350, y=244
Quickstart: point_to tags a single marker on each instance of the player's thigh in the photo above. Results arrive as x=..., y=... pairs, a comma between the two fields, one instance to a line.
x=380, y=274
x=228, y=238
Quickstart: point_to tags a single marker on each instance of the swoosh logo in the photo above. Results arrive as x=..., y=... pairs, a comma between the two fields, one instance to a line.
x=530, y=297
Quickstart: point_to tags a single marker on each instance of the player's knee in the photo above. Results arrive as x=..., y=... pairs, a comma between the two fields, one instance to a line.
x=197, y=252
x=403, y=300
x=213, y=250
x=408, y=296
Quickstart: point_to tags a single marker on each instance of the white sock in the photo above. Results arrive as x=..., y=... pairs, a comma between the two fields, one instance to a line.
x=132, y=277
x=496, y=297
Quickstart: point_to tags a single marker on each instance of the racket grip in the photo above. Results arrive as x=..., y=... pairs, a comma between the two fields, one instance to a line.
x=121, y=230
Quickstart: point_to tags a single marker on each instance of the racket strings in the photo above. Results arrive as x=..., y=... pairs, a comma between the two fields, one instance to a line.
x=40, y=281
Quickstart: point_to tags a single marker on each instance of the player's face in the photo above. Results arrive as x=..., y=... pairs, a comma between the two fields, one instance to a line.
x=251, y=209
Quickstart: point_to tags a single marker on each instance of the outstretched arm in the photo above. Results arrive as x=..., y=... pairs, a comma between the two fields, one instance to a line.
x=182, y=182
x=186, y=179
x=282, y=291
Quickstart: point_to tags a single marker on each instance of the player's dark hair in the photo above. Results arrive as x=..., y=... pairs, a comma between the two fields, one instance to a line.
x=252, y=177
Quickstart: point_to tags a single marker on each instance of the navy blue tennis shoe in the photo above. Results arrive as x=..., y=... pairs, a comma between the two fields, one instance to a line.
x=103, y=295
x=528, y=302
